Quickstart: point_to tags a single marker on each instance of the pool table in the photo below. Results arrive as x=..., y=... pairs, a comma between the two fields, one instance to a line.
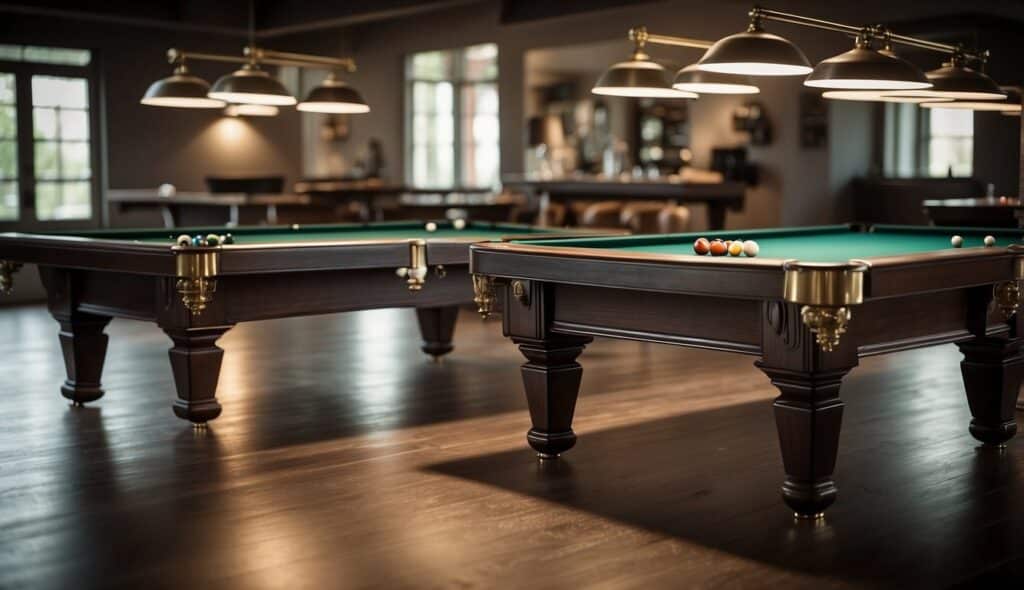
x=807, y=307
x=196, y=293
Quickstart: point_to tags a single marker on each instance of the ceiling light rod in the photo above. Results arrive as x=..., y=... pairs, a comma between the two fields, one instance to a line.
x=758, y=13
x=640, y=36
x=266, y=56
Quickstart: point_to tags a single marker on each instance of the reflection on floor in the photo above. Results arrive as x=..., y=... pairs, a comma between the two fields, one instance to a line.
x=345, y=460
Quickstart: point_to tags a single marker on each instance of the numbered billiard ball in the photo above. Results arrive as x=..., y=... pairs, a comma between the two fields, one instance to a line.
x=228, y=239
x=702, y=246
x=198, y=241
x=718, y=248
x=184, y=240
x=431, y=226
x=750, y=248
x=212, y=240
x=459, y=223
x=990, y=241
x=736, y=248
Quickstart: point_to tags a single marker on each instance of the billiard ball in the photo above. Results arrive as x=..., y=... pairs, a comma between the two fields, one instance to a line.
x=431, y=226
x=198, y=241
x=718, y=248
x=957, y=241
x=295, y=227
x=228, y=239
x=459, y=223
x=750, y=248
x=184, y=240
x=736, y=248
x=212, y=240
x=989, y=241
x=702, y=246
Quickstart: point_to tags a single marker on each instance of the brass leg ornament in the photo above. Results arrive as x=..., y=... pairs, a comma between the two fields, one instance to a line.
x=196, y=293
x=1007, y=297
x=827, y=323
x=7, y=270
x=483, y=295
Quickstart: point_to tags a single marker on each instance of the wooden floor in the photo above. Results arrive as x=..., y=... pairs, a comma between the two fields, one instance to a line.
x=344, y=459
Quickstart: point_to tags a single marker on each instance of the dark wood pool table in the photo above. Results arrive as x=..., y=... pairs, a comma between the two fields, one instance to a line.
x=808, y=307
x=197, y=293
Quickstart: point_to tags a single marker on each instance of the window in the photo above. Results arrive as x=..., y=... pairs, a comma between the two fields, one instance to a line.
x=47, y=143
x=928, y=142
x=452, y=118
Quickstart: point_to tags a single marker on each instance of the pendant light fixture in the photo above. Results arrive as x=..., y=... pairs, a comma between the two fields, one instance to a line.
x=957, y=81
x=863, y=68
x=335, y=97
x=693, y=79
x=251, y=85
x=181, y=90
x=639, y=77
x=755, y=52
x=877, y=96
x=251, y=110
x=1011, y=105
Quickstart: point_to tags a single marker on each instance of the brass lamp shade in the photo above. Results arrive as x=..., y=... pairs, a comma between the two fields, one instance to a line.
x=251, y=85
x=181, y=90
x=755, y=53
x=863, y=68
x=693, y=79
x=334, y=96
x=638, y=78
x=959, y=82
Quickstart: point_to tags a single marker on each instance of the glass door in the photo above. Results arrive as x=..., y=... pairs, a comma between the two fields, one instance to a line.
x=49, y=157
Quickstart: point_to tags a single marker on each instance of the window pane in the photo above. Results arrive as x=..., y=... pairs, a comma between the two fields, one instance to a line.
x=480, y=98
x=11, y=52
x=7, y=88
x=431, y=65
x=423, y=97
x=8, y=201
x=57, y=55
x=68, y=200
x=74, y=124
x=484, y=129
x=444, y=97
x=422, y=129
x=47, y=159
x=949, y=154
x=8, y=160
x=44, y=123
x=50, y=91
x=8, y=123
x=74, y=160
x=480, y=62
x=481, y=168
x=951, y=122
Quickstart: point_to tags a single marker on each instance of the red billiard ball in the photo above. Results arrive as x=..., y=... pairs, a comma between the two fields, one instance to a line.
x=702, y=246
x=718, y=248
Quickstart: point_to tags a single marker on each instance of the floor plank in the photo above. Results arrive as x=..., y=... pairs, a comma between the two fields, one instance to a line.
x=344, y=459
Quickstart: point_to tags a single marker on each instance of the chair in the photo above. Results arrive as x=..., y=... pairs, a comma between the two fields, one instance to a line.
x=673, y=219
x=602, y=214
x=641, y=217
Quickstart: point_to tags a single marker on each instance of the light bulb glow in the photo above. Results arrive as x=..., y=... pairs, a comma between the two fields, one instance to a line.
x=847, y=84
x=252, y=98
x=756, y=69
x=183, y=102
x=876, y=96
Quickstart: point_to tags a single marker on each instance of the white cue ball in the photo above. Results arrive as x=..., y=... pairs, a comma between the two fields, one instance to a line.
x=957, y=241
x=989, y=241
x=431, y=226
x=459, y=223
x=750, y=248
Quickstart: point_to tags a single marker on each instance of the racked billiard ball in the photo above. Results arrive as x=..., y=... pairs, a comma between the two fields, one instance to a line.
x=736, y=248
x=751, y=249
x=702, y=246
x=718, y=248
x=957, y=241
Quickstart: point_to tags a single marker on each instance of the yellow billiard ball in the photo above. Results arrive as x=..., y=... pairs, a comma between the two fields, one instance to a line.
x=736, y=248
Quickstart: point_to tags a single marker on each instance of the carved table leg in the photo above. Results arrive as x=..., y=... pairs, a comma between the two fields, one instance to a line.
x=85, y=349
x=196, y=361
x=437, y=324
x=808, y=415
x=551, y=377
x=992, y=370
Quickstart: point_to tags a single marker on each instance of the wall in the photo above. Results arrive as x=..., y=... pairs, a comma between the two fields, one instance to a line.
x=797, y=188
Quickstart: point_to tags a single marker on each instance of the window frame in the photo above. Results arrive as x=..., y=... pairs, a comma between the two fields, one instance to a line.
x=23, y=73
x=459, y=83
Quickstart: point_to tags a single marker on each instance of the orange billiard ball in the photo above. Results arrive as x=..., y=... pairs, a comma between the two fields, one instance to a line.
x=702, y=246
x=718, y=248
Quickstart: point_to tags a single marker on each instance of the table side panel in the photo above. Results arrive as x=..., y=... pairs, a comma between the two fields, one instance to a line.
x=701, y=322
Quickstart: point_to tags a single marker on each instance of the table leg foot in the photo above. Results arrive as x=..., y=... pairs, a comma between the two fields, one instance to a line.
x=992, y=370
x=437, y=325
x=196, y=360
x=551, y=377
x=85, y=349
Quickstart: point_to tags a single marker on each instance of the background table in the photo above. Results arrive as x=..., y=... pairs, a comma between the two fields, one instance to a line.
x=226, y=209
x=978, y=212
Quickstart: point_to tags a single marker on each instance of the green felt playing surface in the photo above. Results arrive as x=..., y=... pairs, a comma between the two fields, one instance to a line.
x=815, y=244
x=328, y=233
